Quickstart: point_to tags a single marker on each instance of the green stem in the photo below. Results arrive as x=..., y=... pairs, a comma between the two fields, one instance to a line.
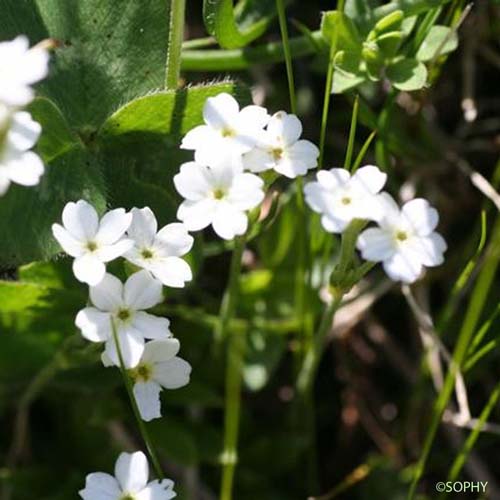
x=238, y=59
x=177, y=9
x=135, y=408
x=313, y=355
x=234, y=368
x=326, y=99
x=280, y=7
x=352, y=134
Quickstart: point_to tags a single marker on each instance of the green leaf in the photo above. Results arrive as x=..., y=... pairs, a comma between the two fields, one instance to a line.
x=111, y=51
x=221, y=21
x=348, y=37
x=389, y=43
x=348, y=72
x=439, y=41
x=56, y=138
x=407, y=74
x=167, y=113
x=391, y=22
x=27, y=214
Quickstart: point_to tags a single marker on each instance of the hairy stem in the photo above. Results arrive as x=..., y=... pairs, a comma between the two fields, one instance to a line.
x=177, y=10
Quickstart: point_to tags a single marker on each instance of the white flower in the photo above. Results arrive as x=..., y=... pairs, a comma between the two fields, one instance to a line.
x=20, y=67
x=124, y=305
x=340, y=197
x=159, y=251
x=217, y=195
x=159, y=367
x=279, y=148
x=227, y=131
x=18, y=133
x=92, y=241
x=405, y=241
x=130, y=482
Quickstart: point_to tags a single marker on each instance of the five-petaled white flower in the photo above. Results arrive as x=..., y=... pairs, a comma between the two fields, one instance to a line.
x=405, y=240
x=340, y=197
x=159, y=367
x=279, y=148
x=218, y=195
x=20, y=67
x=92, y=241
x=159, y=251
x=227, y=130
x=114, y=303
x=18, y=134
x=130, y=482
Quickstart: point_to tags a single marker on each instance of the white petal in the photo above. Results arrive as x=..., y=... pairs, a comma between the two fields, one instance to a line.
x=172, y=271
x=108, y=253
x=158, y=351
x=390, y=209
x=304, y=151
x=131, y=346
x=158, y=490
x=375, y=244
x=371, y=178
x=401, y=268
x=147, y=395
x=80, y=219
x=286, y=126
x=246, y=191
x=198, y=137
x=430, y=249
x=333, y=179
x=421, y=215
x=229, y=222
x=69, y=244
x=258, y=160
x=317, y=197
x=151, y=327
x=4, y=183
x=252, y=118
x=192, y=182
x=95, y=325
x=143, y=227
x=26, y=169
x=89, y=269
x=175, y=239
x=220, y=111
x=113, y=226
x=108, y=294
x=142, y=291
x=333, y=224
x=173, y=373
x=100, y=486
x=132, y=471
x=197, y=215
x=24, y=131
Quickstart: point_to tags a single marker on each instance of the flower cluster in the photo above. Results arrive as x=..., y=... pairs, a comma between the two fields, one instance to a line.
x=404, y=241
x=119, y=309
x=220, y=186
x=20, y=67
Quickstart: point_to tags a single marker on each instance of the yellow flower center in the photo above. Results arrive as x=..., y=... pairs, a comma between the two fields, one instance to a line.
x=123, y=314
x=346, y=200
x=147, y=254
x=91, y=246
x=142, y=373
x=401, y=235
x=277, y=153
x=218, y=193
x=228, y=132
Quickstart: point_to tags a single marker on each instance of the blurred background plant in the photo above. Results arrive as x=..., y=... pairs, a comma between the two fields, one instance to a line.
x=111, y=137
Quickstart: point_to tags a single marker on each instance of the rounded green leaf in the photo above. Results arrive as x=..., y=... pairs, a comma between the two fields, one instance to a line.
x=407, y=74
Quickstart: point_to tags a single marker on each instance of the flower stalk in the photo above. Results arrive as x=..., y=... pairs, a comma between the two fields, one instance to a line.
x=140, y=423
x=234, y=368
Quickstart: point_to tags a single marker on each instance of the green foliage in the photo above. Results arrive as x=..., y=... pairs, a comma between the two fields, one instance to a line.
x=232, y=30
x=93, y=72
